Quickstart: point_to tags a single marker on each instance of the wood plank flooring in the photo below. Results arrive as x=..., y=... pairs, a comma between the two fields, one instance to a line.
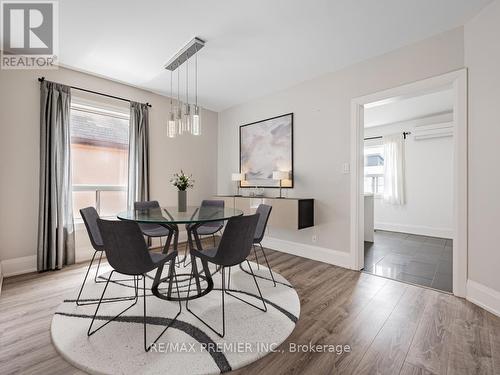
x=391, y=327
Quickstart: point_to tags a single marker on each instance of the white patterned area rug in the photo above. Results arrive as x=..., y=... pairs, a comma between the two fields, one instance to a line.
x=188, y=346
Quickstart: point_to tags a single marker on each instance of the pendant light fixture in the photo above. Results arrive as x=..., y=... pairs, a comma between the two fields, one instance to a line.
x=196, y=125
x=171, y=129
x=178, y=109
x=184, y=118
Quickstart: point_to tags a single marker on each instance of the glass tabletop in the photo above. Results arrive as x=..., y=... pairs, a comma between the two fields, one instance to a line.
x=170, y=215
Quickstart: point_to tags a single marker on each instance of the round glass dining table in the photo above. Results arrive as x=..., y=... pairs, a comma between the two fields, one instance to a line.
x=171, y=218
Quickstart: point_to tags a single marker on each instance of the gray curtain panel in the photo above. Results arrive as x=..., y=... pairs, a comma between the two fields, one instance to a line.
x=56, y=237
x=138, y=154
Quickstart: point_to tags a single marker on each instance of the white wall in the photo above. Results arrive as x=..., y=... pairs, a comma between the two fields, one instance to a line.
x=428, y=183
x=482, y=57
x=322, y=129
x=19, y=155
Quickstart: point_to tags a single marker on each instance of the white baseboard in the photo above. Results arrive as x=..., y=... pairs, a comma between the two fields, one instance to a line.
x=335, y=257
x=415, y=229
x=18, y=266
x=483, y=296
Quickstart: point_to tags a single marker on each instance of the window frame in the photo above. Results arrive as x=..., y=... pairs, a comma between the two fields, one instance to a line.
x=373, y=144
x=102, y=109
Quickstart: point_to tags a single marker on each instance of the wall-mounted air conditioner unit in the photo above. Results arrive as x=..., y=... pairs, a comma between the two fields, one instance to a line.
x=439, y=130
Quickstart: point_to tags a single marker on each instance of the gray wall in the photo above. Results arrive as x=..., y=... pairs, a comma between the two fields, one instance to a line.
x=19, y=152
x=482, y=57
x=322, y=114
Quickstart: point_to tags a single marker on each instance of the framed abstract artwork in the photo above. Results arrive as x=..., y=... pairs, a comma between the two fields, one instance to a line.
x=267, y=146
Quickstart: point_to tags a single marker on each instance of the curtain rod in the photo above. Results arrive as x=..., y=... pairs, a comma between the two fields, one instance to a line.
x=41, y=79
x=379, y=137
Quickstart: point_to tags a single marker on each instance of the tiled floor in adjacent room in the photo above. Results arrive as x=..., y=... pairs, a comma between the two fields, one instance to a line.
x=421, y=260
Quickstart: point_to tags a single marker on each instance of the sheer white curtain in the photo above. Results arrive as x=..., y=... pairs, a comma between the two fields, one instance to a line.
x=394, y=163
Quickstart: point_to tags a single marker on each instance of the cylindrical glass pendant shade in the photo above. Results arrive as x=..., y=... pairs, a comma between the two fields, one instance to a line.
x=171, y=128
x=196, y=123
x=178, y=119
x=186, y=118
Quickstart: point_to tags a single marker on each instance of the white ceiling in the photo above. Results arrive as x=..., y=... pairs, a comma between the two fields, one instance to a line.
x=254, y=47
x=409, y=108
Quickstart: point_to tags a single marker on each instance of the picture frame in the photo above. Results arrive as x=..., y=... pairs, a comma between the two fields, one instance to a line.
x=267, y=146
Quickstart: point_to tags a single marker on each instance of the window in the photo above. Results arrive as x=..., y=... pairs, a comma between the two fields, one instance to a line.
x=99, y=158
x=374, y=169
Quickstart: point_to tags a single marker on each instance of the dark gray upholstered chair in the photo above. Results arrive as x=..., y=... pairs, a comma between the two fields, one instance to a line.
x=128, y=254
x=211, y=228
x=233, y=249
x=90, y=216
x=264, y=212
x=151, y=230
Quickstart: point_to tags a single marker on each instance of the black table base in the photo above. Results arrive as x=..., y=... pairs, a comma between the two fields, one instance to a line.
x=198, y=276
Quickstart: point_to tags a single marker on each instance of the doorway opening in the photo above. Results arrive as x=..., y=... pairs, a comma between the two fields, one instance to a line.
x=409, y=183
x=408, y=189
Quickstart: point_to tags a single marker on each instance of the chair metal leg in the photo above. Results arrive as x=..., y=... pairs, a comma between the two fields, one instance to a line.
x=227, y=291
x=267, y=263
x=258, y=289
x=97, y=271
x=257, y=285
x=78, y=303
x=256, y=257
x=174, y=275
x=223, y=309
x=96, y=277
x=223, y=305
x=90, y=332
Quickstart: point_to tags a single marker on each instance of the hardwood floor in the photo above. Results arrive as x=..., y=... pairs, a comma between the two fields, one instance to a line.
x=391, y=327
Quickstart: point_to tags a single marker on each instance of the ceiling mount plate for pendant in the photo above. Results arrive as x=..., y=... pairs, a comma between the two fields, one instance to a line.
x=185, y=53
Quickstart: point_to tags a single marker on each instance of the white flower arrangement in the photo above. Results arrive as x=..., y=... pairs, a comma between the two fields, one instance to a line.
x=181, y=181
